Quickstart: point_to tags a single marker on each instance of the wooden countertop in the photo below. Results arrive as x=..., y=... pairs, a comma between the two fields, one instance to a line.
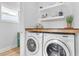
x=55, y=30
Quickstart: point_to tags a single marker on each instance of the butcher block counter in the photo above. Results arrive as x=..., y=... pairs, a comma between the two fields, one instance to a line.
x=54, y=30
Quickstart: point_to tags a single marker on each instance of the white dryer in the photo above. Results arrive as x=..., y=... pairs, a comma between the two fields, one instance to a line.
x=33, y=44
x=58, y=44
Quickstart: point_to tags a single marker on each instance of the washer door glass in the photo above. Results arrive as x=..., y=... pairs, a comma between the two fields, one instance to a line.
x=55, y=49
x=31, y=45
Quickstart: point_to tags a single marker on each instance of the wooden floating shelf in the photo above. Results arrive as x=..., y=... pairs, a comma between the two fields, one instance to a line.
x=52, y=19
x=53, y=30
x=55, y=5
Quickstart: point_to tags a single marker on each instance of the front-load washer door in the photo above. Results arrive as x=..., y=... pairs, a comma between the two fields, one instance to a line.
x=56, y=48
x=32, y=46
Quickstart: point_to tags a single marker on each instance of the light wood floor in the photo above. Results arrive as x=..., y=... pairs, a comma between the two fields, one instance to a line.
x=11, y=52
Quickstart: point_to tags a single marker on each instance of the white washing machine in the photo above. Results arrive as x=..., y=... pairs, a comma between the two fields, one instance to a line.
x=58, y=44
x=33, y=44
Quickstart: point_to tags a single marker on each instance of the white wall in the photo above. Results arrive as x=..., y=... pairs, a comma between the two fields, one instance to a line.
x=76, y=14
x=8, y=35
x=30, y=13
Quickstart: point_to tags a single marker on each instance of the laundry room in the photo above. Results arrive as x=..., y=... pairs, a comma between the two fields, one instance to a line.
x=39, y=28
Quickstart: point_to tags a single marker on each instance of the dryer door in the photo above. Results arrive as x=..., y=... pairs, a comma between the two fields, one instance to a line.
x=32, y=45
x=56, y=48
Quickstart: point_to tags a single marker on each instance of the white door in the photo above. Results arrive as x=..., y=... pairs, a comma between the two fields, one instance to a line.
x=32, y=45
x=56, y=48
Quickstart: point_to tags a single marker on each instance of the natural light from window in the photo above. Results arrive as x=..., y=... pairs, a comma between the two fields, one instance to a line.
x=9, y=15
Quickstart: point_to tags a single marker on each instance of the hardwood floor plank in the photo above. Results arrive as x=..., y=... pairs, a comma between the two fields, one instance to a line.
x=11, y=52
